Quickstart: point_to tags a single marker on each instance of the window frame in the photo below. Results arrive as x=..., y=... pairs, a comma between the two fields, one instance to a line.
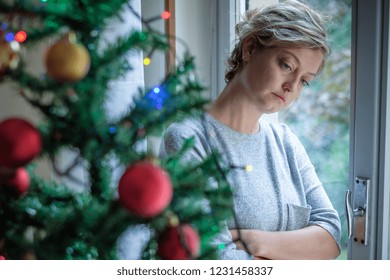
x=369, y=149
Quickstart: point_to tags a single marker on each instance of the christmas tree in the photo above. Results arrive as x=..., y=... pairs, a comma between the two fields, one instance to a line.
x=181, y=208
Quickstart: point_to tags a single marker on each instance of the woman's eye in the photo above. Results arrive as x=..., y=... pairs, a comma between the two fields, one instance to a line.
x=286, y=66
x=305, y=83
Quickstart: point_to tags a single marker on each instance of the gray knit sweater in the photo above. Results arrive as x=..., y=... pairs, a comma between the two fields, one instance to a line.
x=282, y=191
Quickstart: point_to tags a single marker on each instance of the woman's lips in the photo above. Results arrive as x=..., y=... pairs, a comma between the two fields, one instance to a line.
x=280, y=97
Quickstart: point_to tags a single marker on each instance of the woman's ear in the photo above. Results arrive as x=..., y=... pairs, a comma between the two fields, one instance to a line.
x=247, y=49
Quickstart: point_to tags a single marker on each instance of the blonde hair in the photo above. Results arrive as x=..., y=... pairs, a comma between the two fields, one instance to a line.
x=286, y=24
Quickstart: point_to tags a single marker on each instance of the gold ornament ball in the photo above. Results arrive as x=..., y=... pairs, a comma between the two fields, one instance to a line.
x=67, y=61
x=9, y=56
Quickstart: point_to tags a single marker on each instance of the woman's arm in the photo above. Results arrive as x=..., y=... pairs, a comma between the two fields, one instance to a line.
x=173, y=140
x=312, y=242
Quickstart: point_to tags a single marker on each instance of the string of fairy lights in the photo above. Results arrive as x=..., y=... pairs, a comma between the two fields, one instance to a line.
x=9, y=36
x=11, y=28
x=15, y=37
x=20, y=36
x=165, y=15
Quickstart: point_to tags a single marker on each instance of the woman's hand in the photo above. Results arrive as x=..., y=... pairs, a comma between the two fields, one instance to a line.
x=247, y=240
x=312, y=242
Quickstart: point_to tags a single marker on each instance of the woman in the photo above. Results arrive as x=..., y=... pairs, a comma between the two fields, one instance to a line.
x=281, y=208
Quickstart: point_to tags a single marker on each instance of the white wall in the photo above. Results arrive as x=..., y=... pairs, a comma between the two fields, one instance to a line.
x=154, y=72
x=193, y=25
x=260, y=3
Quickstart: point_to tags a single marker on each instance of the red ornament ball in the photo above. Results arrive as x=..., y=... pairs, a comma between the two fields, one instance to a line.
x=19, y=181
x=20, y=142
x=145, y=189
x=2, y=258
x=171, y=247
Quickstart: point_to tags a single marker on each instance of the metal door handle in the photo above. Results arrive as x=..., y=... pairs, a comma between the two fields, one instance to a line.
x=357, y=212
x=357, y=215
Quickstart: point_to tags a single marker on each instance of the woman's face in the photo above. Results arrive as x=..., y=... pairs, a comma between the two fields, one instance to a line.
x=272, y=78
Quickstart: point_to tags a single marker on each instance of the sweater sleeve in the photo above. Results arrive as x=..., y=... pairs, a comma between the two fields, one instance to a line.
x=174, y=137
x=322, y=211
x=227, y=250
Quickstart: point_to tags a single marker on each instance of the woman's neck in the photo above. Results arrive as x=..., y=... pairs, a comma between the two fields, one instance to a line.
x=233, y=110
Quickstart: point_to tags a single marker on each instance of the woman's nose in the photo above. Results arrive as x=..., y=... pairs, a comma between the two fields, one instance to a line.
x=290, y=85
x=286, y=87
